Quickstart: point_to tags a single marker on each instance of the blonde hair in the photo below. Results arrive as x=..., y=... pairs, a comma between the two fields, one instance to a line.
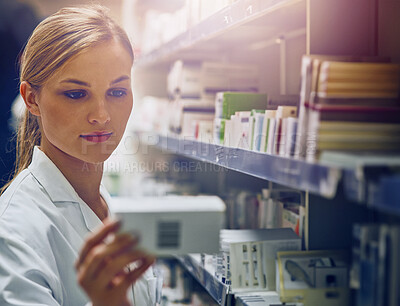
x=54, y=41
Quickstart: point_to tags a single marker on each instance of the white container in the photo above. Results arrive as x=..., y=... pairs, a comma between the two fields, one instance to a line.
x=172, y=225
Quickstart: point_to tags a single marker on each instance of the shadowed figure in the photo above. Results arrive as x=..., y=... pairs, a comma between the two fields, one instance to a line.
x=17, y=21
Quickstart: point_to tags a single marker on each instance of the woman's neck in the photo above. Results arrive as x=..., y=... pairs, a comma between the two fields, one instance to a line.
x=84, y=177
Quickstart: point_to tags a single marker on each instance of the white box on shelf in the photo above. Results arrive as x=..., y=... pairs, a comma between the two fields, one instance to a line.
x=171, y=225
x=186, y=112
x=184, y=79
x=253, y=259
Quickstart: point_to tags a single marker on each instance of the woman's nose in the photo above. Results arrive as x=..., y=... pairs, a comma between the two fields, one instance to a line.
x=99, y=113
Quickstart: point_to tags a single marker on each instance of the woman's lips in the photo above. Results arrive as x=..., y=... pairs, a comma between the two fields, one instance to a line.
x=97, y=137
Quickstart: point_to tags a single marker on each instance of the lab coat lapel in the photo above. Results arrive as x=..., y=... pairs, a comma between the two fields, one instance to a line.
x=92, y=221
x=60, y=190
x=51, y=178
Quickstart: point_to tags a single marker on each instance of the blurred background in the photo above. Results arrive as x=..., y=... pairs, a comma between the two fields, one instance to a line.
x=245, y=99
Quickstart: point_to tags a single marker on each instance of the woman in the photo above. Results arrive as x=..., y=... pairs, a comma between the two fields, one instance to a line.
x=56, y=237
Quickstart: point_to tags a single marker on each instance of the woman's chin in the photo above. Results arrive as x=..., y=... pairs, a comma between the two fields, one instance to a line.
x=95, y=159
x=96, y=155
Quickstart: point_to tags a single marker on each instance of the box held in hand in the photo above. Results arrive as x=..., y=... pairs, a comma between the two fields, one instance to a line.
x=172, y=225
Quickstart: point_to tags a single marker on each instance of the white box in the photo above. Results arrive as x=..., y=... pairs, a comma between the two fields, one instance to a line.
x=171, y=225
x=253, y=258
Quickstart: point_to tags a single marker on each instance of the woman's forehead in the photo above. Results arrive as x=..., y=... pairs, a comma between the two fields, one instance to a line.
x=110, y=60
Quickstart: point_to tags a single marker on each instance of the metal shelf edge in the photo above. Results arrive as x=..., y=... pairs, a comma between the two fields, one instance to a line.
x=217, y=290
x=227, y=18
x=290, y=172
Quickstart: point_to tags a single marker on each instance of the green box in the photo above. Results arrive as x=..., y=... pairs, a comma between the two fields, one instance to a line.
x=227, y=103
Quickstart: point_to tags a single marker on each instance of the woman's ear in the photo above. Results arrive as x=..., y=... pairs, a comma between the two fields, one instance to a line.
x=30, y=96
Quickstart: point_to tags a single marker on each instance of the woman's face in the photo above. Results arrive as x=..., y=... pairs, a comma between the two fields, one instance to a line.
x=84, y=107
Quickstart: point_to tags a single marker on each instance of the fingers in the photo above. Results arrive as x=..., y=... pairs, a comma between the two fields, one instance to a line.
x=102, y=264
x=118, y=265
x=109, y=227
x=101, y=254
x=134, y=275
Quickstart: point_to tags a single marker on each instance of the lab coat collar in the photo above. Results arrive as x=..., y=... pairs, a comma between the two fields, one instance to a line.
x=59, y=188
x=51, y=178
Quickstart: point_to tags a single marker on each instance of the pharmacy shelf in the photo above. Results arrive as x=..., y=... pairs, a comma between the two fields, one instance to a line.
x=298, y=174
x=376, y=185
x=257, y=299
x=372, y=179
x=217, y=290
x=247, y=21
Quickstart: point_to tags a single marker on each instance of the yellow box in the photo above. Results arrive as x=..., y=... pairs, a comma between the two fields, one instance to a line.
x=314, y=278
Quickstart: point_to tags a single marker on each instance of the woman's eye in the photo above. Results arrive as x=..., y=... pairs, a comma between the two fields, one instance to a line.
x=117, y=93
x=75, y=94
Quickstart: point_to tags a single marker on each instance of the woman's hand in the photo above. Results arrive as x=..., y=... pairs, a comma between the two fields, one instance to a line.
x=102, y=267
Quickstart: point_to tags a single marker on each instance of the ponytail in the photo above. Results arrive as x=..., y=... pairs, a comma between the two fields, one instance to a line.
x=27, y=138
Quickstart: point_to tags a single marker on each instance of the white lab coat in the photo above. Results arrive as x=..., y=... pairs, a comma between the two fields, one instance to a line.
x=43, y=225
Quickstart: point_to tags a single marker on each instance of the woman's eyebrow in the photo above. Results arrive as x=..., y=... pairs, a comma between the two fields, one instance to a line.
x=120, y=79
x=75, y=81
x=78, y=82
